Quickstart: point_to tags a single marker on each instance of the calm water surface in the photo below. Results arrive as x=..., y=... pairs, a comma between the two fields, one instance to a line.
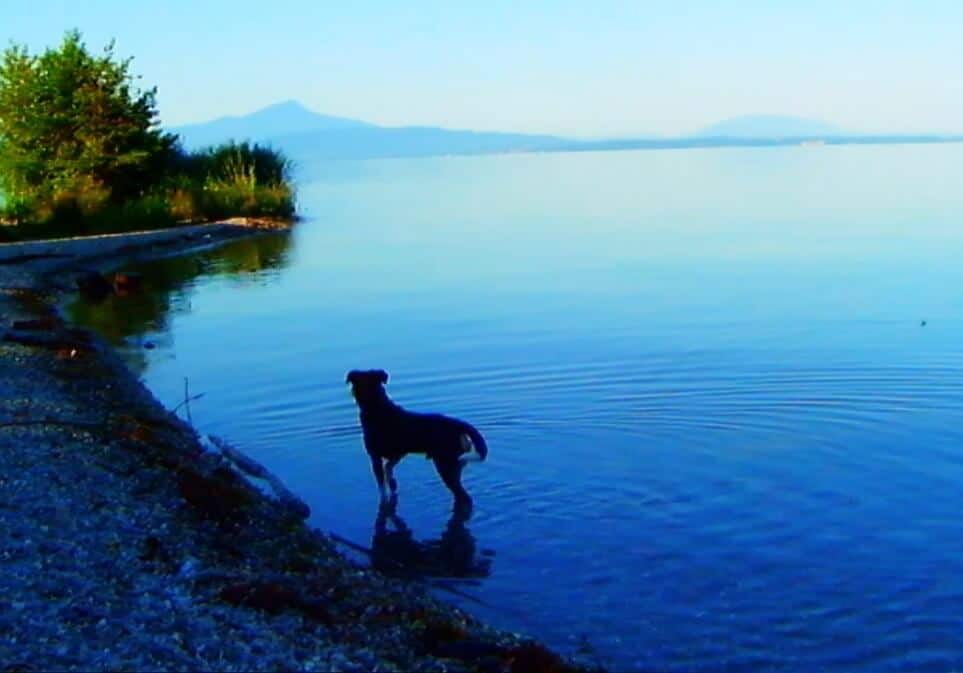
x=721, y=438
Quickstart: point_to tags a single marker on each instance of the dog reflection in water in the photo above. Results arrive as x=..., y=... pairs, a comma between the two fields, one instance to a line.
x=395, y=551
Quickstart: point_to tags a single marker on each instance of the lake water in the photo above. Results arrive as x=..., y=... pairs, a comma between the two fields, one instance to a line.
x=721, y=436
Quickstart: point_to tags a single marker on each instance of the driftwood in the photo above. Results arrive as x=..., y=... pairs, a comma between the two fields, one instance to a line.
x=244, y=463
x=188, y=398
x=252, y=468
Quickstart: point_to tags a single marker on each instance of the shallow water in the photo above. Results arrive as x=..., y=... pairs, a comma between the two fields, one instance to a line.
x=721, y=437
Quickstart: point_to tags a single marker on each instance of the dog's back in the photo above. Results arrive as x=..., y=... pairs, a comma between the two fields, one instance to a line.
x=397, y=432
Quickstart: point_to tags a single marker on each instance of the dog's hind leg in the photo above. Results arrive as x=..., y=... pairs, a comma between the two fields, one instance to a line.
x=450, y=473
x=390, y=474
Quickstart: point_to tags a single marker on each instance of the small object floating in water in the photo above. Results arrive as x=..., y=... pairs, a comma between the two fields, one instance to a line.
x=922, y=323
x=94, y=286
x=150, y=345
x=126, y=282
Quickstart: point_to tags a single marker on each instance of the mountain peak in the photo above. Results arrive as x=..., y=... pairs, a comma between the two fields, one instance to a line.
x=291, y=102
x=291, y=105
x=278, y=119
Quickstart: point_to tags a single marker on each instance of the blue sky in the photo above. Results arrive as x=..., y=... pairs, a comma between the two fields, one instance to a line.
x=590, y=68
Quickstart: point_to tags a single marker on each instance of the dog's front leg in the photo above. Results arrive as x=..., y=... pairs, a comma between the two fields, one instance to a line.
x=379, y=473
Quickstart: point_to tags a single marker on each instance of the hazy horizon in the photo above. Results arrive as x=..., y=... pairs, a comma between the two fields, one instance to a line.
x=612, y=69
x=296, y=105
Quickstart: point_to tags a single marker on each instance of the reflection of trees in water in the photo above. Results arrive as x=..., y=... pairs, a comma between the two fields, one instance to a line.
x=453, y=555
x=166, y=286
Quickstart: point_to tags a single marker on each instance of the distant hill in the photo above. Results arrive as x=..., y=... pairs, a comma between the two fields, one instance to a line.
x=769, y=126
x=302, y=134
x=278, y=119
x=305, y=135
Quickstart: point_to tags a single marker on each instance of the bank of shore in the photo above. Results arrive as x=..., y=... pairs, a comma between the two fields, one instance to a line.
x=130, y=544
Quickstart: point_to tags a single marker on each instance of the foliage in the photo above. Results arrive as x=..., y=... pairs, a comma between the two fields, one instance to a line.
x=81, y=153
x=75, y=129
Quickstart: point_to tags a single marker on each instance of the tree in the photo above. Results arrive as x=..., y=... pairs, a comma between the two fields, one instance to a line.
x=75, y=129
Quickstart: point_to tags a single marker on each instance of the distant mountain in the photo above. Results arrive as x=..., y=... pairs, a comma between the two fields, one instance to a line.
x=275, y=120
x=305, y=135
x=768, y=126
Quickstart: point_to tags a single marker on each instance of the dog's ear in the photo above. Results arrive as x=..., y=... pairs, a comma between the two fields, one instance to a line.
x=350, y=377
x=382, y=376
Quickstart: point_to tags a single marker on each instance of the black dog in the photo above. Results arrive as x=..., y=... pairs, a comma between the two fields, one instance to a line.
x=391, y=433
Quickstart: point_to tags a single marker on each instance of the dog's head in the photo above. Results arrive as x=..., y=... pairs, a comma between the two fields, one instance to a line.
x=367, y=385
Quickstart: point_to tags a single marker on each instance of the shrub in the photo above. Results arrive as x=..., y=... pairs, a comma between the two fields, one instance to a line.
x=75, y=129
x=234, y=179
x=81, y=153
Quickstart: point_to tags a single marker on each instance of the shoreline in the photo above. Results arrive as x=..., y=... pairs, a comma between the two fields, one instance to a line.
x=135, y=545
x=50, y=255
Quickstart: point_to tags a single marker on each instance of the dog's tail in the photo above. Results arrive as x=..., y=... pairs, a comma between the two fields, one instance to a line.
x=475, y=449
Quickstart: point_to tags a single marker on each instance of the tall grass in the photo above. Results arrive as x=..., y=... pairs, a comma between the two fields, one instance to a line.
x=230, y=180
x=239, y=179
x=246, y=163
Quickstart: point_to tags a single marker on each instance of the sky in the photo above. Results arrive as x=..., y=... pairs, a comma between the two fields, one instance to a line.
x=586, y=69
